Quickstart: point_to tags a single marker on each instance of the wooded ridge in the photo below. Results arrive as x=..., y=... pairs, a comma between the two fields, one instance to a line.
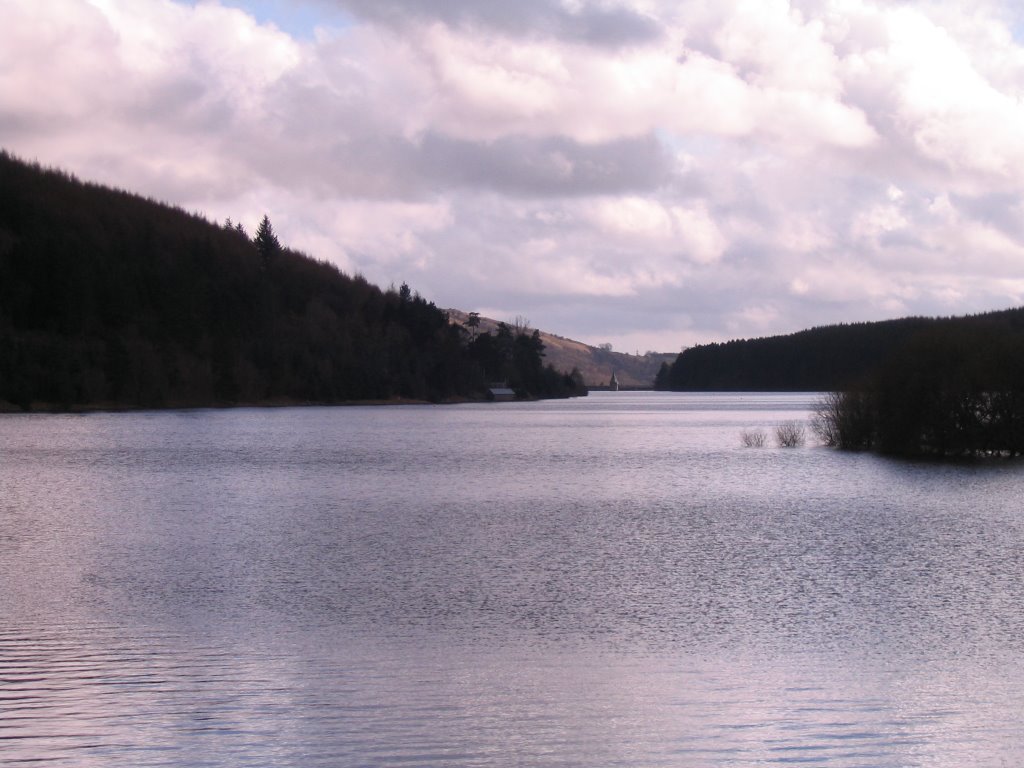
x=111, y=300
x=826, y=358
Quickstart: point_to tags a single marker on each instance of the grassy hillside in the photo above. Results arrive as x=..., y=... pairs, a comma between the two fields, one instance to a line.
x=596, y=365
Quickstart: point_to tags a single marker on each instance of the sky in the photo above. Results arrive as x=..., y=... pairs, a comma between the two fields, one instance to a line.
x=651, y=174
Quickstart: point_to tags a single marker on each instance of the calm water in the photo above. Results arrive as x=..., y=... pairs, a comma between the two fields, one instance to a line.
x=603, y=582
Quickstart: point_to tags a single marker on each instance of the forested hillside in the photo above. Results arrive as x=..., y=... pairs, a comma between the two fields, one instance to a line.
x=829, y=358
x=108, y=299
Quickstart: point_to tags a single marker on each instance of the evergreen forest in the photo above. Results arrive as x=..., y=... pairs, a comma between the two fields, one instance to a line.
x=111, y=300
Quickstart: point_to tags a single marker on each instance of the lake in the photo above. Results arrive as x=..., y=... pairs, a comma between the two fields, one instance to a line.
x=609, y=581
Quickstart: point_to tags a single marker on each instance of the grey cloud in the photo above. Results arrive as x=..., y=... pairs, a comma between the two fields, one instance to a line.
x=1000, y=211
x=14, y=126
x=552, y=166
x=390, y=166
x=900, y=240
x=595, y=25
x=184, y=101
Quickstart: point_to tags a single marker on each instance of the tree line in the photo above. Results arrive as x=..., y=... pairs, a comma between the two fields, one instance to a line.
x=914, y=387
x=109, y=299
x=955, y=390
x=815, y=360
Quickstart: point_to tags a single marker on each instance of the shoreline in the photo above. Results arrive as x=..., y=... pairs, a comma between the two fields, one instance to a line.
x=51, y=409
x=38, y=408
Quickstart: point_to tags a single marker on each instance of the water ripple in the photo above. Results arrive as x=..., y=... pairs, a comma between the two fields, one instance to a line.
x=614, y=583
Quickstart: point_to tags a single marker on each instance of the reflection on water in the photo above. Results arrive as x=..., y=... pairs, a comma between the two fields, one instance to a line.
x=613, y=581
x=154, y=699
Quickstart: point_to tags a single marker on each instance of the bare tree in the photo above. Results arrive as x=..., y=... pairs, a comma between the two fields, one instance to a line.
x=825, y=421
x=844, y=420
x=753, y=438
x=790, y=434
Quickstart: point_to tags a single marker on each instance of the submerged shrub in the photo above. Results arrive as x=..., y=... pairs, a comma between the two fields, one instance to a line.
x=753, y=438
x=789, y=434
x=844, y=420
x=825, y=418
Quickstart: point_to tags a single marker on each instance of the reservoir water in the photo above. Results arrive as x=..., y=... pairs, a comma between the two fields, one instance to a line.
x=610, y=581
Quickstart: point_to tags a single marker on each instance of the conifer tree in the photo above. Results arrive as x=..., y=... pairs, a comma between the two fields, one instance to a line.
x=266, y=242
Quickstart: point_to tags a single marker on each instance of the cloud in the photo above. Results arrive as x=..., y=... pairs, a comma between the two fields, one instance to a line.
x=613, y=170
x=545, y=167
x=687, y=232
x=597, y=24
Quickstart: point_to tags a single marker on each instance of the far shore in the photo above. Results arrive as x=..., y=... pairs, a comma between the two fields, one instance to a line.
x=7, y=408
x=51, y=408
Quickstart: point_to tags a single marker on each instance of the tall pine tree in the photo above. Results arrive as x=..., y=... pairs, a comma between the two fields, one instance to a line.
x=266, y=242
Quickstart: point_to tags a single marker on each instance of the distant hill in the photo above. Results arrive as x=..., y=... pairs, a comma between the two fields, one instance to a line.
x=827, y=358
x=111, y=300
x=595, y=364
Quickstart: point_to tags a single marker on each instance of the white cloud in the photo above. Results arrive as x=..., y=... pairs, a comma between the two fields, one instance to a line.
x=635, y=218
x=754, y=320
x=720, y=168
x=935, y=87
x=877, y=221
x=700, y=236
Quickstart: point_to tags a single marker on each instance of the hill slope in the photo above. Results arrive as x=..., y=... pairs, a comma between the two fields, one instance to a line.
x=596, y=365
x=108, y=299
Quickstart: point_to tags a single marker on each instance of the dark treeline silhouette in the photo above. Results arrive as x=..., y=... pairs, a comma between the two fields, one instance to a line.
x=112, y=300
x=948, y=387
x=955, y=390
x=834, y=357
x=815, y=360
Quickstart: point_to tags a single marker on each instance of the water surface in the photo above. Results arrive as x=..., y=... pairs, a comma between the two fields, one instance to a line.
x=606, y=581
